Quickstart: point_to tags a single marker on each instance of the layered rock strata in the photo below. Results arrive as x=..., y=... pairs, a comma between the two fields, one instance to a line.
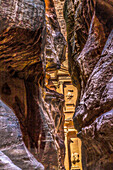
x=31, y=44
x=90, y=46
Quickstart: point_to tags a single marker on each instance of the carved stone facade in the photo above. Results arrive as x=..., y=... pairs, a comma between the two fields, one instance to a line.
x=61, y=82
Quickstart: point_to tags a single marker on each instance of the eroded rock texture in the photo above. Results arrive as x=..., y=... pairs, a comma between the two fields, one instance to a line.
x=56, y=44
x=13, y=153
x=90, y=46
x=52, y=148
x=30, y=44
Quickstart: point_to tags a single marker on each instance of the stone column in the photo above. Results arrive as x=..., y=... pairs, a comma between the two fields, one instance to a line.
x=66, y=162
x=61, y=87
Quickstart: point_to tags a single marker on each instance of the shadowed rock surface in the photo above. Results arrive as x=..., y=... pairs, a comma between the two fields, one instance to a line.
x=30, y=45
x=56, y=44
x=90, y=46
x=13, y=153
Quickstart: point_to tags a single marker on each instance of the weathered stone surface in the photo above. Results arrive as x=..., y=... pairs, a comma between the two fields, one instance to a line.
x=98, y=139
x=13, y=152
x=29, y=35
x=98, y=93
x=56, y=44
x=21, y=37
x=59, y=5
x=52, y=134
x=90, y=43
x=6, y=163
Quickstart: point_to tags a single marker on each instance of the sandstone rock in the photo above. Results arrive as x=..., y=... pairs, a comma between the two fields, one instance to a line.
x=6, y=163
x=56, y=44
x=98, y=93
x=29, y=47
x=21, y=36
x=98, y=141
x=52, y=131
x=13, y=152
x=90, y=43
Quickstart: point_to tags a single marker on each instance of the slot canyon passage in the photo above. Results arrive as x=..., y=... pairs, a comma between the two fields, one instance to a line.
x=56, y=84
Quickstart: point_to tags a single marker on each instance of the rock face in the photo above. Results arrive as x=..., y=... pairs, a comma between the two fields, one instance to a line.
x=59, y=4
x=13, y=152
x=52, y=148
x=90, y=46
x=31, y=45
x=56, y=44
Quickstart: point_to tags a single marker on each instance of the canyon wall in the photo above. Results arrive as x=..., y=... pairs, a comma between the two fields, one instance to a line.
x=90, y=46
x=31, y=46
x=59, y=4
x=13, y=153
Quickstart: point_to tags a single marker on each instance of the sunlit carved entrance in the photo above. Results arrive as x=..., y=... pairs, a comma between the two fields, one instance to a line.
x=61, y=82
x=73, y=147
